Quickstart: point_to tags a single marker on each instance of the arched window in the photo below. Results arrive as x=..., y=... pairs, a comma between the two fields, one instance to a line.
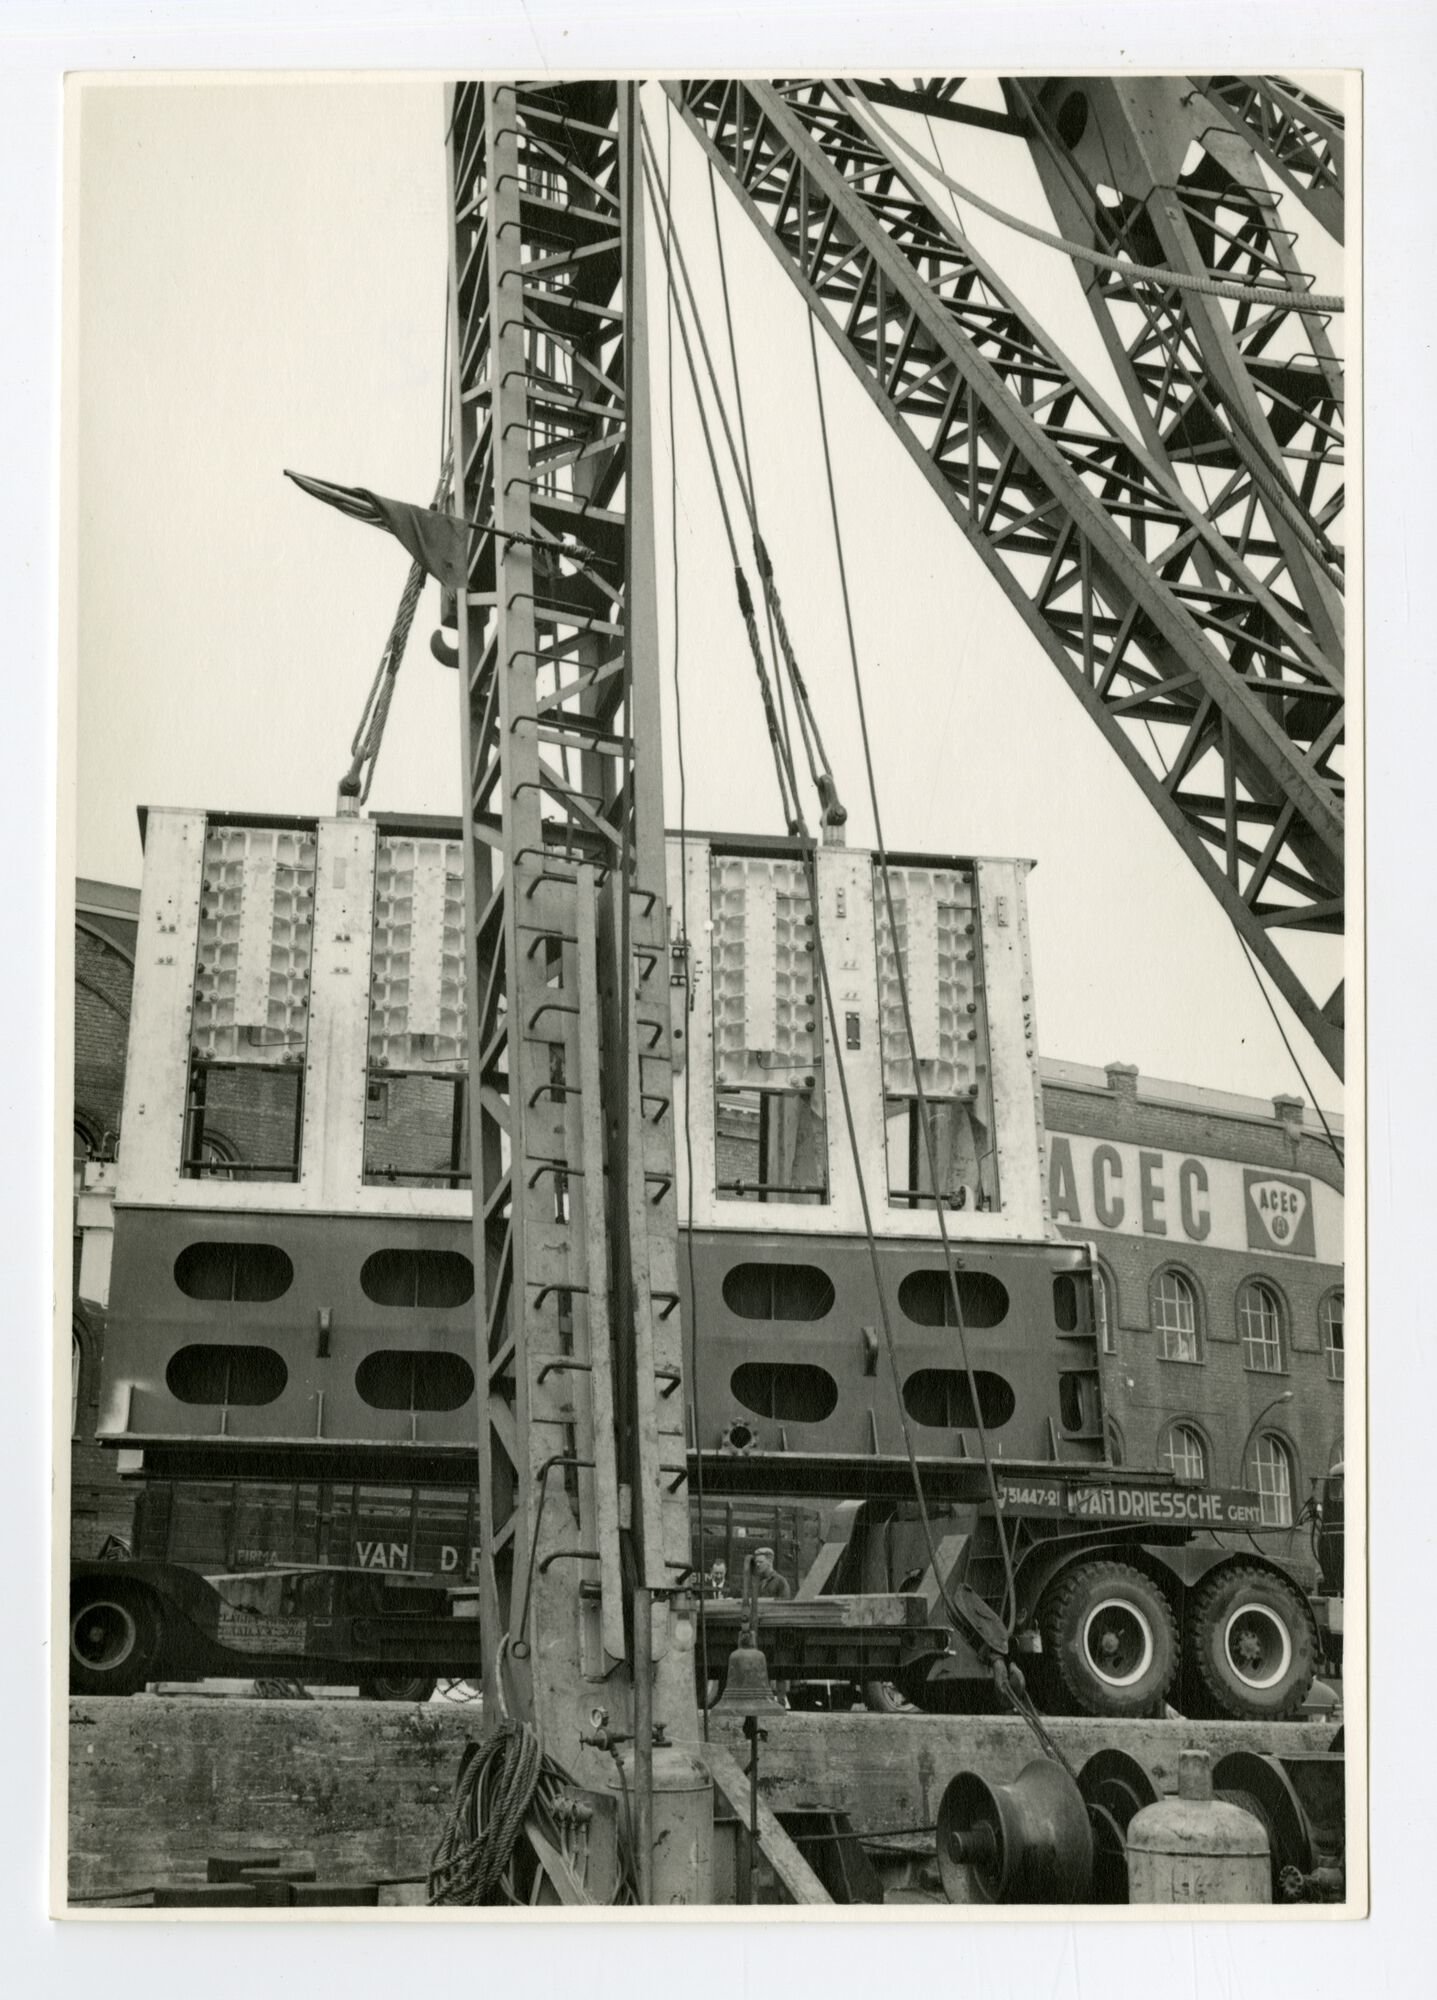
x=1103, y=1310
x=1329, y=1320
x=1113, y=1437
x=1184, y=1454
x=1259, y=1325
x=77, y=1362
x=1273, y=1479
x=1174, y=1313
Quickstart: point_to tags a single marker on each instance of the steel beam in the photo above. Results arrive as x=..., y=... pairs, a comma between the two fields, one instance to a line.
x=1248, y=397
x=939, y=97
x=1299, y=137
x=1134, y=595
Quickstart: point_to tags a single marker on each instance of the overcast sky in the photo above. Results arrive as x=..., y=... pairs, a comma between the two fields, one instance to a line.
x=260, y=278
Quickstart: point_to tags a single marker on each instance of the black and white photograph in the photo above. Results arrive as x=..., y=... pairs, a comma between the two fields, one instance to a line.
x=712, y=998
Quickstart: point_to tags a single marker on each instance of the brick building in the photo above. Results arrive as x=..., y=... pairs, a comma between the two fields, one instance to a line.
x=1217, y=1221
x=105, y=920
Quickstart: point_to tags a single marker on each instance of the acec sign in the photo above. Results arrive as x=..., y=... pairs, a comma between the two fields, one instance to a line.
x=1279, y=1214
x=1190, y=1198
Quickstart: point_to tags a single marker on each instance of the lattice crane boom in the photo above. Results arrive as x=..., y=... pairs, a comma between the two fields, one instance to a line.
x=1251, y=394
x=1151, y=616
x=1302, y=139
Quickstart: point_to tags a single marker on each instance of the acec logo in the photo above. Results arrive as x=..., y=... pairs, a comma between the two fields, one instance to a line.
x=1280, y=1207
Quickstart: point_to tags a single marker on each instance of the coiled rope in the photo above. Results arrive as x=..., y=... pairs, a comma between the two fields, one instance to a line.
x=500, y=1785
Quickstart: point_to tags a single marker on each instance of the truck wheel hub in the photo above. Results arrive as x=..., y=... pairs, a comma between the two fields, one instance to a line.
x=1118, y=1641
x=1258, y=1645
x=103, y=1636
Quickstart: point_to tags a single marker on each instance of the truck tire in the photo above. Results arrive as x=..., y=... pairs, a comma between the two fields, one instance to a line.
x=393, y=1687
x=1252, y=1643
x=1110, y=1641
x=887, y=1698
x=114, y=1639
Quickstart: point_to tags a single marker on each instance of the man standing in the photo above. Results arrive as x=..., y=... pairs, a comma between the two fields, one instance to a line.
x=766, y=1580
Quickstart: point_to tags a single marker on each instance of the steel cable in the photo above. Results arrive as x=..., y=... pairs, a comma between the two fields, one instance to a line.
x=782, y=765
x=703, y=1634
x=748, y=478
x=823, y=781
x=780, y=644
x=961, y=1620
x=1012, y=1689
x=1281, y=296
x=924, y=1121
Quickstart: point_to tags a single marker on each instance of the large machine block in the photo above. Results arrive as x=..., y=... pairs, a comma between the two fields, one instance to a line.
x=293, y=1254
x=297, y=1056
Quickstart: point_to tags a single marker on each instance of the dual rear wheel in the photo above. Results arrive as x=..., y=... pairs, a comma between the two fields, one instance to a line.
x=1252, y=1644
x=1110, y=1640
x=1111, y=1645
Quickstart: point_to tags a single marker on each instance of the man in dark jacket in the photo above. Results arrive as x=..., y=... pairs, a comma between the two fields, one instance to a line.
x=766, y=1580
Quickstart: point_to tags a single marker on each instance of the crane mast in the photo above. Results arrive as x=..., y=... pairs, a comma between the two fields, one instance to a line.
x=584, y=1513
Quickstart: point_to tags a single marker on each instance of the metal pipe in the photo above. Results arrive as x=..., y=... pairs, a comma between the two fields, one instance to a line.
x=1267, y=1408
x=752, y=1730
x=644, y=1740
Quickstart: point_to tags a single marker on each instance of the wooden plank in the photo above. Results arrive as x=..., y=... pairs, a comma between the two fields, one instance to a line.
x=571, y=1891
x=840, y=1534
x=862, y=1611
x=793, y=1872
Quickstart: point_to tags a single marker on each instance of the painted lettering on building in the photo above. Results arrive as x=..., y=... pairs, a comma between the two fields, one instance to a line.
x=1190, y=1198
x=1279, y=1213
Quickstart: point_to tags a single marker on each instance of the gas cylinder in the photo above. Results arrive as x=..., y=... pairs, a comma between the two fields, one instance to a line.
x=683, y=1822
x=1195, y=1849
